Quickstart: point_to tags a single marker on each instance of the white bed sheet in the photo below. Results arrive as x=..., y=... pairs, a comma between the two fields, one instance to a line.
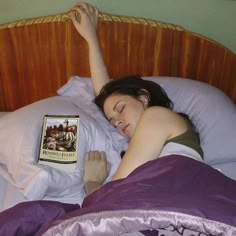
x=9, y=195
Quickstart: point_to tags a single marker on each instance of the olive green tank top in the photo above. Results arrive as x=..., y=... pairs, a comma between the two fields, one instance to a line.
x=189, y=139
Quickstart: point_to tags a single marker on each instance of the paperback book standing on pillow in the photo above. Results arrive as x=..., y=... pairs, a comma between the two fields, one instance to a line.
x=59, y=142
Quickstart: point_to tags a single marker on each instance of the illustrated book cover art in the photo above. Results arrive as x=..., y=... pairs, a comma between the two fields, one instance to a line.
x=59, y=142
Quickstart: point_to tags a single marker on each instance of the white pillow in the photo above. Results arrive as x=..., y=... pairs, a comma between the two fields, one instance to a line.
x=20, y=137
x=211, y=111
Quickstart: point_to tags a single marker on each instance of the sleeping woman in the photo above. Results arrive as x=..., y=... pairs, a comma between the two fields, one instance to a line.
x=139, y=109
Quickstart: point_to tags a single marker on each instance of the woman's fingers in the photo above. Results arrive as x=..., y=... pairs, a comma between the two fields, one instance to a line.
x=76, y=13
x=96, y=11
x=95, y=156
x=89, y=9
x=96, y=167
x=81, y=5
x=75, y=17
x=87, y=157
x=86, y=8
x=103, y=156
x=85, y=19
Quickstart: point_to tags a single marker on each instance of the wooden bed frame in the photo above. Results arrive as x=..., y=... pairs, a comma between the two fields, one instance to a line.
x=39, y=55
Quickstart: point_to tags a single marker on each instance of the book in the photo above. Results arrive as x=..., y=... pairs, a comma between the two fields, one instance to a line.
x=59, y=142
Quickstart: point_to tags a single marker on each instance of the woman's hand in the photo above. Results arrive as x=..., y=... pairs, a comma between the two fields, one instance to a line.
x=85, y=19
x=96, y=170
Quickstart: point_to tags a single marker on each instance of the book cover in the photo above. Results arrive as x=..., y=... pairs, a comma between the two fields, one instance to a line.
x=59, y=142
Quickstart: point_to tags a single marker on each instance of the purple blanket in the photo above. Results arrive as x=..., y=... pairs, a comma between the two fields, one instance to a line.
x=174, y=195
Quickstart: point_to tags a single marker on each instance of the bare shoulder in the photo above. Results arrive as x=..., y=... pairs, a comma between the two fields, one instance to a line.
x=160, y=113
x=165, y=120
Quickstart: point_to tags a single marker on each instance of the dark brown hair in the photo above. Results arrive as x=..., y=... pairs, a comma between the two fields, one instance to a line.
x=134, y=86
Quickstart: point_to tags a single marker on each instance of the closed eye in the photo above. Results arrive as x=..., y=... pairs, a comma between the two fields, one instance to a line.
x=122, y=108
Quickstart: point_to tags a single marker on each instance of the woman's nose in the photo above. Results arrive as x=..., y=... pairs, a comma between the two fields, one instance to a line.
x=118, y=123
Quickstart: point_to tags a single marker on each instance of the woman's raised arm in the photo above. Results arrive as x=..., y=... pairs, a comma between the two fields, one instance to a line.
x=85, y=20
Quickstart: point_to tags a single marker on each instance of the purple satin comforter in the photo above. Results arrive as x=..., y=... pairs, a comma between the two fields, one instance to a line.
x=174, y=195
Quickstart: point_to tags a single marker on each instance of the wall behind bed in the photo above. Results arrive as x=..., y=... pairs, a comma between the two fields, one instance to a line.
x=212, y=18
x=170, y=50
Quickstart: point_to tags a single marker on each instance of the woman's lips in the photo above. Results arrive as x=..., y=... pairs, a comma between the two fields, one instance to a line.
x=124, y=128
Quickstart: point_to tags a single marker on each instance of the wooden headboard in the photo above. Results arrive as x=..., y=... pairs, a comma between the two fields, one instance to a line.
x=39, y=55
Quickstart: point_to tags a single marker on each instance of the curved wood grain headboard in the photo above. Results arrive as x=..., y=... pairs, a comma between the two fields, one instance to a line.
x=39, y=55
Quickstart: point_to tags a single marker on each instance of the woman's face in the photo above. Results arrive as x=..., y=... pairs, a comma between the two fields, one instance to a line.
x=124, y=112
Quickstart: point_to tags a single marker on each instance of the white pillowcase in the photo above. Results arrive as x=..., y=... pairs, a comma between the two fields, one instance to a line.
x=211, y=111
x=20, y=138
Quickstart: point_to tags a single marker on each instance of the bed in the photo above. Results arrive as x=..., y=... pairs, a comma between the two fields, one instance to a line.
x=44, y=70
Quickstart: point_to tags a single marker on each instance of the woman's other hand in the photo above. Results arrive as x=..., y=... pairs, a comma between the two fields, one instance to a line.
x=85, y=20
x=96, y=167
